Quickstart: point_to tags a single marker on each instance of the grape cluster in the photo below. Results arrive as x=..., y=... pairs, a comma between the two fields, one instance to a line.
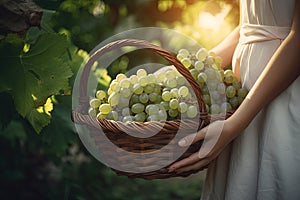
x=166, y=96
x=145, y=97
x=222, y=92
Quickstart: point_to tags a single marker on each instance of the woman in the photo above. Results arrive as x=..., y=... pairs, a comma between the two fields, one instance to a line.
x=263, y=159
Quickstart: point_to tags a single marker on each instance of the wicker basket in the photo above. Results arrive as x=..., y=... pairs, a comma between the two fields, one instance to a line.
x=164, y=132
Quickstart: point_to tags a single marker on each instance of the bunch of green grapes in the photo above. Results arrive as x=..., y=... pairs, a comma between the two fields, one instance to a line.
x=166, y=96
x=145, y=97
x=222, y=92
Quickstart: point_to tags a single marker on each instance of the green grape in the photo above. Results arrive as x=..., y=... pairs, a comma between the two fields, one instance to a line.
x=141, y=73
x=170, y=74
x=140, y=117
x=215, y=95
x=151, y=78
x=133, y=79
x=162, y=115
x=160, y=77
x=153, y=117
x=174, y=93
x=182, y=107
x=230, y=92
x=183, y=91
x=171, y=83
x=242, y=92
x=199, y=65
x=211, y=73
x=100, y=94
x=192, y=111
x=159, y=99
x=221, y=73
x=219, y=76
x=234, y=102
x=137, y=108
x=212, y=84
x=134, y=99
x=143, y=81
x=218, y=61
x=165, y=105
x=186, y=62
x=173, y=113
x=215, y=109
x=173, y=104
x=201, y=54
x=144, y=98
x=120, y=76
x=184, y=52
x=149, y=88
x=194, y=72
x=206, y=99
x=125, y=92
x=127, y=119
x=228, y=72
x=95, y=103
x=180, y=57
x=154, y=97
x=202, y=77
x=152, y=109
x=228, y=79
x=105, y=108
x=123, y=102
x=180, y=80
x=157, y=89
x=101, y=116
x=126, y=112
x=209, y=60
x=92, y=112
x=221, y=88
x=112, y=115
x=114, y=86
x=125, y=83
x=137, y=88
x=237, y=85
x=226, y=107
x=114, y=99
x=166, y=89
x=166, y=96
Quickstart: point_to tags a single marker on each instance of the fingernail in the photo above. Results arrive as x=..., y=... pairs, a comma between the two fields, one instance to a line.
x=182, y=142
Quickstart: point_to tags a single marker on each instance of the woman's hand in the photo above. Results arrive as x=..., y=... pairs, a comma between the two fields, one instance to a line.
x=216, y=136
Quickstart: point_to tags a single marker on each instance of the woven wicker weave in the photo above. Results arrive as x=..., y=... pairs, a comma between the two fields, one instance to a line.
x=164, y=132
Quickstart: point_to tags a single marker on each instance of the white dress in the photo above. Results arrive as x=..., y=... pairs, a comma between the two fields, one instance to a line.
x=264, y=161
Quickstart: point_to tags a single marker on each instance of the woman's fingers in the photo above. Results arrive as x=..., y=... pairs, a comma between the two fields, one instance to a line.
x=193, y=138
x=194, y=167
x=187, y=161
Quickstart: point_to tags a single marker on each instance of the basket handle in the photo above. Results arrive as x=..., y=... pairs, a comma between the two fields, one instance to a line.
x=170, y=57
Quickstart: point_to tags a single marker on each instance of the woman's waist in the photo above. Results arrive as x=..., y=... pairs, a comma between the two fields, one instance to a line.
x=251, y=33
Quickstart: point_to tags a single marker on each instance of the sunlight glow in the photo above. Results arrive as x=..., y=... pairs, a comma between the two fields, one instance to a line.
x=209, y=21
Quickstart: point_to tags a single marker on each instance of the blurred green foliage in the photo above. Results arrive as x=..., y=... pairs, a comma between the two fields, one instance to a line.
x=54, y=164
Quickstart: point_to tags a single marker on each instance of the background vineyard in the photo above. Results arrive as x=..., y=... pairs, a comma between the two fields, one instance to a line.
x=41, y=155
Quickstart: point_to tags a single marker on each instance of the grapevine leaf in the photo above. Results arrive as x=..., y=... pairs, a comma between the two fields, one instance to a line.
x=34, y=76
x=60, y=133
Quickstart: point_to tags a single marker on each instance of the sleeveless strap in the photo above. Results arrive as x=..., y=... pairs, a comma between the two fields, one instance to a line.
x=250, y=33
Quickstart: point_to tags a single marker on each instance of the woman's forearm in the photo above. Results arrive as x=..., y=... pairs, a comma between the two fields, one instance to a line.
x=280, y=72
x=226, y=48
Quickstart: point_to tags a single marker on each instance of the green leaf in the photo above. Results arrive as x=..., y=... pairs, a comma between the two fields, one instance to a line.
x=34, y=76
x=60, y=134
